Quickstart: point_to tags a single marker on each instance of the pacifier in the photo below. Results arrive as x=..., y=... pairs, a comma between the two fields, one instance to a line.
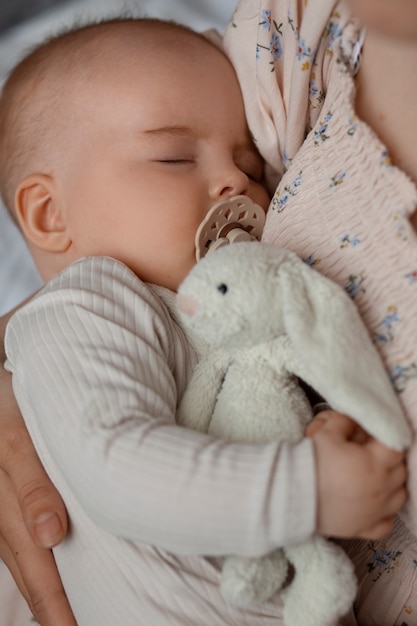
x=229, y=221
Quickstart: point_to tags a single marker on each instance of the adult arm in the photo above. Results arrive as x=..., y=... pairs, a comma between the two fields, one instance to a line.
x=32, y=514
x=390, y=57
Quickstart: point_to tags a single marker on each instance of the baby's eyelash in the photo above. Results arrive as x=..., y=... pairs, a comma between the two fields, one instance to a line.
x=175, y=161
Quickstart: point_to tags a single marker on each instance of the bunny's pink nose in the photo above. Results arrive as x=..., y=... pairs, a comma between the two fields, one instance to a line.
x=187, y=304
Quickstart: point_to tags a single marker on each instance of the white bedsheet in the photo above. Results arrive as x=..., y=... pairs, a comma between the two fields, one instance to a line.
x=18, y=276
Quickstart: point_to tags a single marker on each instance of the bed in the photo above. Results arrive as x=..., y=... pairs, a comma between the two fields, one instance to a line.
x=19, y=30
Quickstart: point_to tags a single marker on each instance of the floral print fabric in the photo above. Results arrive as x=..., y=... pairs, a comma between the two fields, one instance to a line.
x=343, y=207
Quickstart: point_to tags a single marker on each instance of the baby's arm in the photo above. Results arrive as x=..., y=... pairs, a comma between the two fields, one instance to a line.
x=27, y=497
x=360, y=482
x=110, y=414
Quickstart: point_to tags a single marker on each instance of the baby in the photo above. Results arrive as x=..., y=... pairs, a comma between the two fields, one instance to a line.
x=116, y=140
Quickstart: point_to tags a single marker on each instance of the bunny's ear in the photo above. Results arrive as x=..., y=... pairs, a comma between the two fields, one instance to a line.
x=337, y=356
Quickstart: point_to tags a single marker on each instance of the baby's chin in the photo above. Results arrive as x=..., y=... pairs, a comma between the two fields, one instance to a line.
x=182, y=274
x=171, y=279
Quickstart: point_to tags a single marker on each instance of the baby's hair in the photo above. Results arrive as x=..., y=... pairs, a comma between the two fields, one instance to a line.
x=37, y=89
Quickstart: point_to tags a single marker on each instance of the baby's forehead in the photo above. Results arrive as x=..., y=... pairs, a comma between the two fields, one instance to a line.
x=131, y=40
x=81, y=51
x=61, y=69
x=110, y=54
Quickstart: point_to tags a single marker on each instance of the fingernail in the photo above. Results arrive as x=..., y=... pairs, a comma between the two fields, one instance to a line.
x=48, y=530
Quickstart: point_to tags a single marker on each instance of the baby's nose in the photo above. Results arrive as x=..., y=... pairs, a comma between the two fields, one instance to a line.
x=230, y=183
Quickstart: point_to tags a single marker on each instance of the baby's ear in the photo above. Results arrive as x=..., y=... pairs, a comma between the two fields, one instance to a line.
x=39, y=213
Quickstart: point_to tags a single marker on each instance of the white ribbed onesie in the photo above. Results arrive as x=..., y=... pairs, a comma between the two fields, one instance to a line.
x=98, y=368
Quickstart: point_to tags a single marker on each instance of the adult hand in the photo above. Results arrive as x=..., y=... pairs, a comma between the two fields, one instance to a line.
x=32, y=517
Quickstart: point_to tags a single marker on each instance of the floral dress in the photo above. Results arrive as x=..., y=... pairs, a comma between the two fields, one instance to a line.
x=338, y=202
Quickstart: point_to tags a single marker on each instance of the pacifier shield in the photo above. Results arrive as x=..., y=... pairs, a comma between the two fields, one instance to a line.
x=228, y=221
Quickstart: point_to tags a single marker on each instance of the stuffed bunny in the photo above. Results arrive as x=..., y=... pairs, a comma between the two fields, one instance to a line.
x=268, y=319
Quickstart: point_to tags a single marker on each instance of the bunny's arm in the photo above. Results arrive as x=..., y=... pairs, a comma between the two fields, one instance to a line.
x=197, y=404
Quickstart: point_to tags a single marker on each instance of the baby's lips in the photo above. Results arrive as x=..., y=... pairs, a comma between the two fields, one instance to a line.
x=187, y=304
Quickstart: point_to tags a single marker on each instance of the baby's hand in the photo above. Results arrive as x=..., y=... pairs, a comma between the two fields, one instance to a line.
x=360, y=482
x=324, y=415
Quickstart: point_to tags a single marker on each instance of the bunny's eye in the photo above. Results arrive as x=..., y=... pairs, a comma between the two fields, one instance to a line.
x=222, y=288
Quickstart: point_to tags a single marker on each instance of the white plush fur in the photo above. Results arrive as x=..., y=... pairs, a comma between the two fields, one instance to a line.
x=267, y=318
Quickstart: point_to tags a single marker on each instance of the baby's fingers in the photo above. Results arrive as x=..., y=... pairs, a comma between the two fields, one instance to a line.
x=397, y=476
x=382, y=527
x=379, y=530
x=337, y=425
x=386, y=456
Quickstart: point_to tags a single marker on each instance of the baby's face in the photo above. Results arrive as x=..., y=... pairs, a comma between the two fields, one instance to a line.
x=160, y=136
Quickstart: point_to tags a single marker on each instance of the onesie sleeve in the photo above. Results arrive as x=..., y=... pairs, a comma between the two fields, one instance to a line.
x=281, y=51
x=97, y=363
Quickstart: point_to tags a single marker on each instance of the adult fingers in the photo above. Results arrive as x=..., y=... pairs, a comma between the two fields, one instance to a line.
x=44, y=591
x=42, y=507
x=7, y=556
x=33, y=568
